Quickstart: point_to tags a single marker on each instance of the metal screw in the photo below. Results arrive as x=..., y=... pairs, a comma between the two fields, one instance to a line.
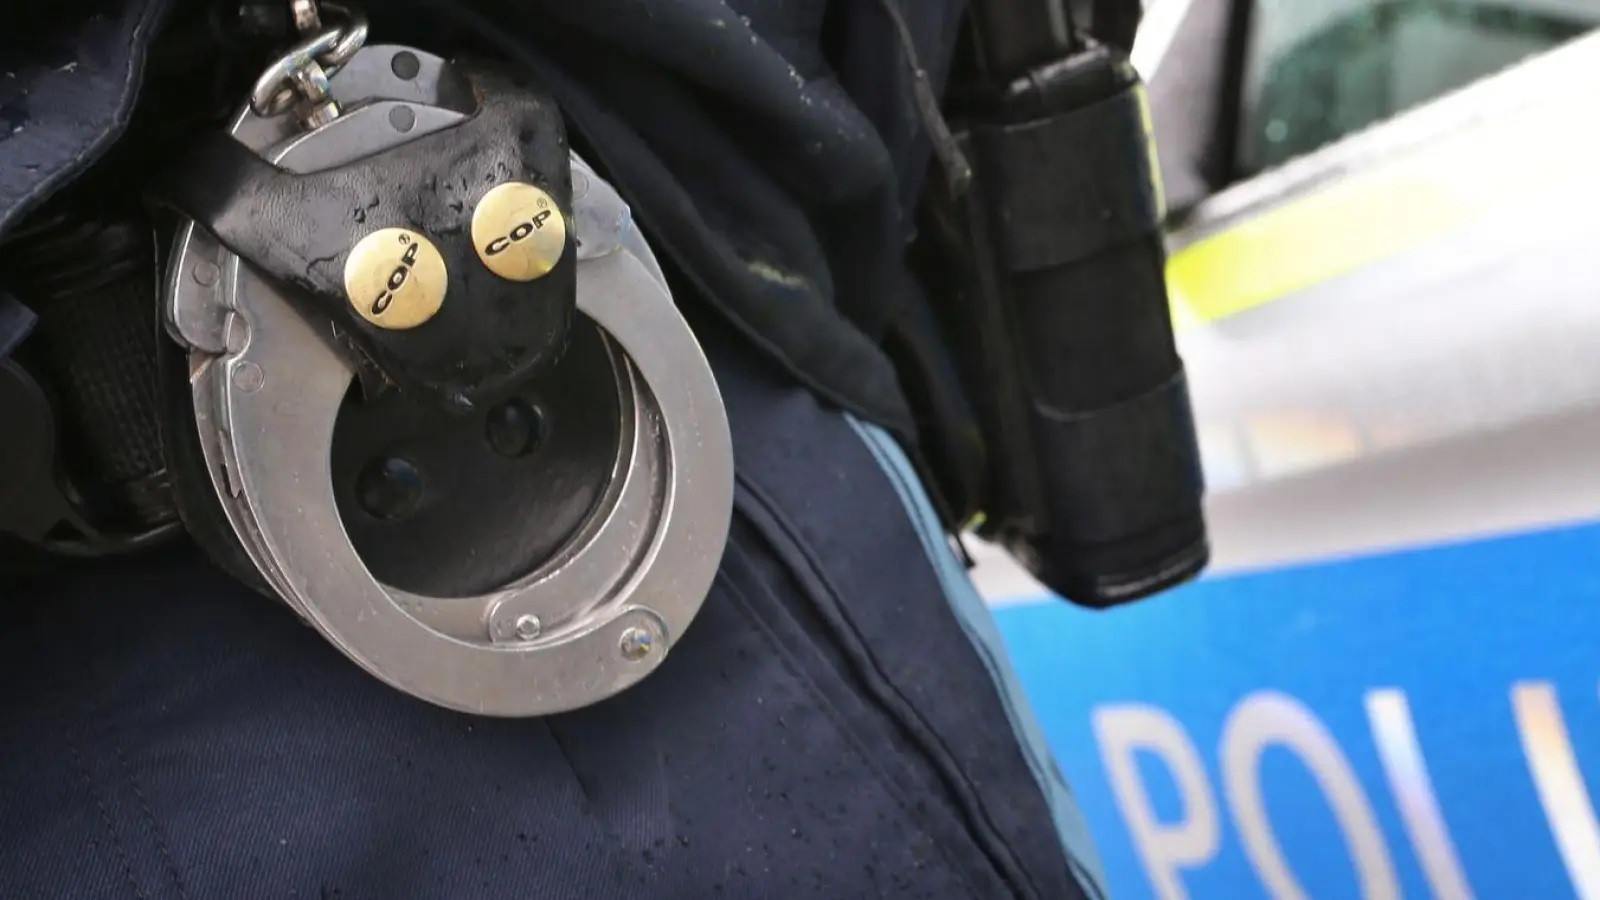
x=402, y=118
x=206, y=273
x=528, y=627
x=249, y=377
x=636, y=644
x=405, y=65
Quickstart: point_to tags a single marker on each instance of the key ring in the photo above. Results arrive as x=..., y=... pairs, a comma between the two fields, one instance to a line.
x=328, y=50
x=355, y=37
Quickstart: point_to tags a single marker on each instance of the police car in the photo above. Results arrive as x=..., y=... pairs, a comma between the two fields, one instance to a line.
x=1386, y=276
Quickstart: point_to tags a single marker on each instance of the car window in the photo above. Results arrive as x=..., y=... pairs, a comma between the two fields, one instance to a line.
x=1317, y=70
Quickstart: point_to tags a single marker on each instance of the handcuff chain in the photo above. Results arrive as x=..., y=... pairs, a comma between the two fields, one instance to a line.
x=301, y=75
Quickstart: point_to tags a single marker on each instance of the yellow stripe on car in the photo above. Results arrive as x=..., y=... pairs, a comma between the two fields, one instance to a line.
x=1298, y=246
x=1380, y=210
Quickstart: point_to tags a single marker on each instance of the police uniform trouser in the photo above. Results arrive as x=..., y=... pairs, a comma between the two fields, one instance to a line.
x=839, y=722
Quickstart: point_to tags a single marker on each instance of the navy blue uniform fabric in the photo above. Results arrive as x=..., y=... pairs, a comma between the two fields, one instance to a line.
x=824, y=729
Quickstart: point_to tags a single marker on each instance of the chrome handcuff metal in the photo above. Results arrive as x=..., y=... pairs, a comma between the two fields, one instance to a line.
x=268, y=383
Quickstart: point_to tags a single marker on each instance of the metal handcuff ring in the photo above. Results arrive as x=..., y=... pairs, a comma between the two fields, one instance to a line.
x=267, y=387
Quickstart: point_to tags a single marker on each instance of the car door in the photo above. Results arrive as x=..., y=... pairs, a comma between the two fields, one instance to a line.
x=1392, y=258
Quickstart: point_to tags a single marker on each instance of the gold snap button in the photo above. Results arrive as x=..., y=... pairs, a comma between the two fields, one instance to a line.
x=519, y=231
x=396, y=278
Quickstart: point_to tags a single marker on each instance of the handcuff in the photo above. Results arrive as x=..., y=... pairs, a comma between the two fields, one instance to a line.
x=268, y=383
